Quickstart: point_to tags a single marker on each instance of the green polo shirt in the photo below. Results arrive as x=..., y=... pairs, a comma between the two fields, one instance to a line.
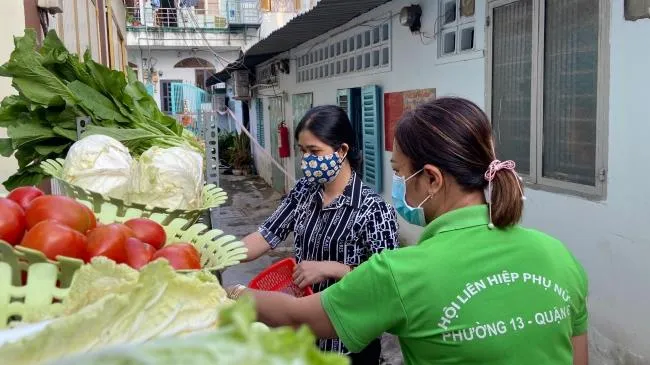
x=467, y=294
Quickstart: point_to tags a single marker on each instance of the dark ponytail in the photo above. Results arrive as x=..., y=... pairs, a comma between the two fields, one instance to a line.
x=507, y=200
x=455, y=135
x=331, y=125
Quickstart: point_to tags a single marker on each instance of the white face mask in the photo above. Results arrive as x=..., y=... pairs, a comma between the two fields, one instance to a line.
x=413, y=215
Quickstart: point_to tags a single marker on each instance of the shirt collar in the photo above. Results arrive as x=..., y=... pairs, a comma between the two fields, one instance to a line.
x=468, y=217
x=351, y=194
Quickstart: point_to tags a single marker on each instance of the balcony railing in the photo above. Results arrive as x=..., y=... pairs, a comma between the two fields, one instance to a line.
x=230, y=13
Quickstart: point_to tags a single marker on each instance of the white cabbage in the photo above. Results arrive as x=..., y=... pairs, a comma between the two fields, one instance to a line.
x=100, y=164
x=168, y=178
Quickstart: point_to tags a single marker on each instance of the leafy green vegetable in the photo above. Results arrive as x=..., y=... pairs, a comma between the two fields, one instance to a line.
x=55, y=87
x=237, y=341
x=111, y=304
x=6, y=149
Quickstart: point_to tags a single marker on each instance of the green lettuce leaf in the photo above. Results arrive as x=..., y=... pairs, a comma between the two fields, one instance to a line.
x=107, y=305
x=238, y=341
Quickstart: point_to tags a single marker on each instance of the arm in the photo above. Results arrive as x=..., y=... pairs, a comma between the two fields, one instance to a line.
x=358, y=309
x=275, y=229
x=312, y=272
x=278, y=309
x=580, y=321
x=256, y=245
x=580, y=350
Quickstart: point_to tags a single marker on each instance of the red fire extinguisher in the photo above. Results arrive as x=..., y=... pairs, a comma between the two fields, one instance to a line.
x=283, y=140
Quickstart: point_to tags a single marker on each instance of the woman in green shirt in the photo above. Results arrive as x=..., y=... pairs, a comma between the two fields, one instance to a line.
x=478, y=288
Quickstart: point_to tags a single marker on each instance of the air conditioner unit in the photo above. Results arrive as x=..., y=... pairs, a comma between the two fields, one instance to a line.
x=219, y=102
x=241, y=85
x=52, y=6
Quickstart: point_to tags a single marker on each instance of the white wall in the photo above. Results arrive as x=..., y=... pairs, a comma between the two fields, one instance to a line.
x=608, y=237
x=12, y=25
x=414, y=66
x=166, y=59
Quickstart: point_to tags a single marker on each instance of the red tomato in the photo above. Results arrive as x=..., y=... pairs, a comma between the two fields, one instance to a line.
x=182, y=256
x=148, y=231
x=55, y=239
x=12, y=221
x=126, y=230
x=62, y=209
x=91, y=217
x=108, y=241
x=138, y=253
x=24, y=195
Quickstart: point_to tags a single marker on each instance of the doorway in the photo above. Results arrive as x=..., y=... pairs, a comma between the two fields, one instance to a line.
x=300, y=104
x=350, y=101
x=276, y=116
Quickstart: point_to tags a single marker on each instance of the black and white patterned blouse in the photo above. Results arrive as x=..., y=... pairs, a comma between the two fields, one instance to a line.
x=354, y=226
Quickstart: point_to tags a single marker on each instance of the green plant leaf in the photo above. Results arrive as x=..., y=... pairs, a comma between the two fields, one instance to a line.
x=64, y=119
x=57, y=146
x=109, y=82
x=67, y=133
x=121, y=134
x=31, y=78
x=29, y=176
x=101, y=106
x=29, y=131
x=6, y=148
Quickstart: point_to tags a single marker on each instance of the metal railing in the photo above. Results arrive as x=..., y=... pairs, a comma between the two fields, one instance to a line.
x=228, y=12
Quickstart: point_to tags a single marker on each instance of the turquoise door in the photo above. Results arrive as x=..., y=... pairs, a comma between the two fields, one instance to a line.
x=300, y=104
x=275, y=118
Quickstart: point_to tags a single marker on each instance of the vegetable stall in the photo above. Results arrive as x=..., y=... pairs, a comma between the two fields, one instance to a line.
x=115, y=268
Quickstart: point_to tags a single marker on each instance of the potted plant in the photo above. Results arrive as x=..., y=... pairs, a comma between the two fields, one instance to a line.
x=130, y=19
x=240, y=155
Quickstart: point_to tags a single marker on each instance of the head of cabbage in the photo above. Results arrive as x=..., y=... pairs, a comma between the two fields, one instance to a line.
x=99, y=163
x=168, y=178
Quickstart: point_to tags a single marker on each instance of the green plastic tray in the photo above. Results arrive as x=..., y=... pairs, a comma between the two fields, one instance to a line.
x=212, y=196
x=41, y=293
x=217, y=251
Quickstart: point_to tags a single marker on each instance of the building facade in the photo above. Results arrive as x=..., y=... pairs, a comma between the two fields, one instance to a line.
x=565, y=84
x=188, y=41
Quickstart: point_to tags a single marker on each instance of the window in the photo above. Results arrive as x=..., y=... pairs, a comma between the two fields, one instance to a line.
x=259, y=109
x=166, y=94
x=365, y=48
x=547, y=98
x=375, y=58
x=456, y=21
x=375, y=35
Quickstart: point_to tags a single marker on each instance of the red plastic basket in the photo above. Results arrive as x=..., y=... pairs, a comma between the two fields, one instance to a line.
x=279, y=277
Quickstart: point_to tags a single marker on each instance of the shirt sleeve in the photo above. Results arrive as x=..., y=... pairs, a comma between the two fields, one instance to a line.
x=365, y=304
x=381, y=229
x=277, y=227
x=580, y=318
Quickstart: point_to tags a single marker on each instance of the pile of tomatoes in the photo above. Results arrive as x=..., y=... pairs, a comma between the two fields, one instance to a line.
x=61, y=226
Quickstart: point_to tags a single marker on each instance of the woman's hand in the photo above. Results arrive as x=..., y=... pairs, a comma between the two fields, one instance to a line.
x=313, y=272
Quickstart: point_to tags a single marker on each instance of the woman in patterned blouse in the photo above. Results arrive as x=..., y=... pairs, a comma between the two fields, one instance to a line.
x=338, y=222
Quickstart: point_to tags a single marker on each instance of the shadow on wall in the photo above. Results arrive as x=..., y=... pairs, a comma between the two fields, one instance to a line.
x=603, y=351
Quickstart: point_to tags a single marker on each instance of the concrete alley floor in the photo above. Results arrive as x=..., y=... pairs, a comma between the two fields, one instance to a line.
x=250, y=202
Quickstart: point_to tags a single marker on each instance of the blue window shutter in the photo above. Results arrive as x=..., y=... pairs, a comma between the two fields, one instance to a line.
x=343, y=101
x=371, y=134
x=260, y=122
